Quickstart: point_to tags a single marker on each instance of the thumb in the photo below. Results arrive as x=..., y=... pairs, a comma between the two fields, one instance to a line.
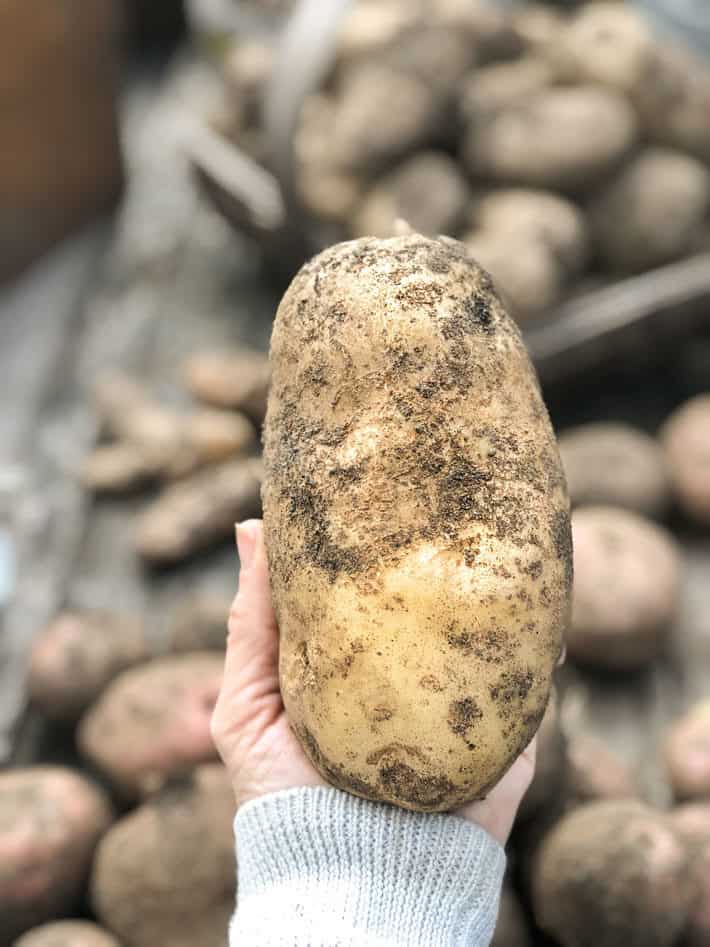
x=252, y=643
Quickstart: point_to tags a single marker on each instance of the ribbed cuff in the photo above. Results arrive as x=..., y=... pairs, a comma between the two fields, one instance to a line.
x=319, y=867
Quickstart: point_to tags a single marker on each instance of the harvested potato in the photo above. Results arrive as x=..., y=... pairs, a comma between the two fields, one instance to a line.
x=539, y=216
x=559, y=138
x=606, y=43
x=511, y=929
x=199, y=512
x=171, y=443
x=501, y=85
x=685, y=438
x=118, y=468
x=50, y=821
x=164, y=874
x=437, y=53
x=549, y=784
x=200, y=623
x=537, y=26
x=525, y=271
x=428, y=191
x=76, y=655
x=615, y=464
x=652, y=211
x=597, y=773
x=612, y=873
x=674, y=102
x=67, y=934
x=687, y=753
x=420, y=574
x=153, y=721
x=626, y=590
x=231, y=379
x=692, y=822
x=381, y=114
x=488, y=28
x=370, y=26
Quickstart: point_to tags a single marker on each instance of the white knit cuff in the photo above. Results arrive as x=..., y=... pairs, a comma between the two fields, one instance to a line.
x=318, y=867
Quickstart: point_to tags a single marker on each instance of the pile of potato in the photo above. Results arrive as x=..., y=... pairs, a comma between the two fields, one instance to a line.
x=136, y=848
x=560, y=147
x=203, y=460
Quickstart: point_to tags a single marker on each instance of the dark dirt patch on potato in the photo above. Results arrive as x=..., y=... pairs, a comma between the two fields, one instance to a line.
x=463, y=715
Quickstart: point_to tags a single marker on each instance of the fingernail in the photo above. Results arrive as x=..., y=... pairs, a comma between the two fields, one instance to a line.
x=246, y=544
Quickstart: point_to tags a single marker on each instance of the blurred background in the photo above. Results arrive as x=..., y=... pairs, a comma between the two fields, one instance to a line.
x=165, y=168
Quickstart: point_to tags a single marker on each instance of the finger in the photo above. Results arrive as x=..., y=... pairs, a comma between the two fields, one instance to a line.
x=252, y=642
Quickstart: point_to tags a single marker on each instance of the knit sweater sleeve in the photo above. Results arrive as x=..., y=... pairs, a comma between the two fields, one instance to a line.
x=318, y=867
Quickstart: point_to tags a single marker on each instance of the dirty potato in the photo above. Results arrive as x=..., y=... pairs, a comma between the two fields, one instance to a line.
x=416, y=521
x=564, y=138
x=652, y=211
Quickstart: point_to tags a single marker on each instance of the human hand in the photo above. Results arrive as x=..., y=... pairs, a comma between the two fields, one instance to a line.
x=249, y=723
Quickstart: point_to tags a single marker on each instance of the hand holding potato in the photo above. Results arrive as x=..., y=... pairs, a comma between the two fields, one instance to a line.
x=249, y=724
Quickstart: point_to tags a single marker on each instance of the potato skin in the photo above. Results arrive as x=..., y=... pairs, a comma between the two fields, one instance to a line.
x=416, y=521
x=50, y=821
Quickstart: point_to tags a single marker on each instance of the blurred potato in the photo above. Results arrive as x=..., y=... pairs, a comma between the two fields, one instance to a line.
x=540, y=216
x=686, y=443
x=626, y=588
x=615, y=464
x=652, y=211
x=525, y=271
x=428, y=191
x=686, y=751
x=606, y=43
x=561, y=138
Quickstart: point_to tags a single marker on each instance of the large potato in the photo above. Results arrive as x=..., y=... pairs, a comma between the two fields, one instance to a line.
x=416, y=520
x=50, y=821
